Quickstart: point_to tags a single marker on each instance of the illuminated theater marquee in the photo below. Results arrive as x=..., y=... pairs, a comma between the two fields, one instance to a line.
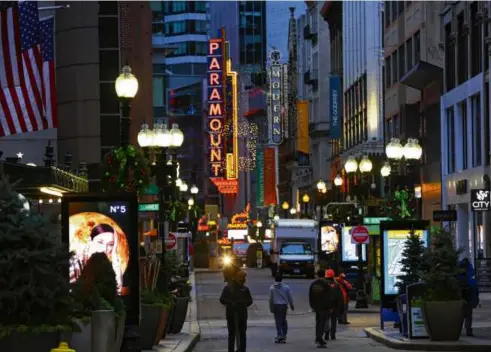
x=215, y=107
x=275, y=108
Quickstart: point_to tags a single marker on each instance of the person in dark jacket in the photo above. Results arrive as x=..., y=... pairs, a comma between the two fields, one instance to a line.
x=470, y=293
x=320, y=302
x=237, y=298
x=337, y=303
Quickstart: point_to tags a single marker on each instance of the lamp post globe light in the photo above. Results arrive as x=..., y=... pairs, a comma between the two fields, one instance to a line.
x=190, y=202
x=293, y=211
x=276, y=217
x=259, y=224
x=365, y=165
x=126, y=87
x=305, y=198
x=412, y=150
x=385, y=170
x=351, y=165
x=321, y=185
x=194, y=189
x=285, y=205
x=394, y=149
x=338, y=181
x=183, y=187
x=177, y=137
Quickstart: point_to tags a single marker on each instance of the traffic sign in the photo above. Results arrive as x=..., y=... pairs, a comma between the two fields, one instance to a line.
x=359, y=235
x=171, y=242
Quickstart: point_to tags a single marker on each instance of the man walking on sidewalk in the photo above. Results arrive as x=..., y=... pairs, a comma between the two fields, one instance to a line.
x=337, y=303
x=345, y=288
x=319, y=299
x=280, y=297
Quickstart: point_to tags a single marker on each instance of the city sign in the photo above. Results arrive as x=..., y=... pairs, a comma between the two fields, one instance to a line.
x=480, y=200
x=359, y=235
x=215, y=106
x=142, y=207
x=335, y=106
x=275, y=108
x=445, y=215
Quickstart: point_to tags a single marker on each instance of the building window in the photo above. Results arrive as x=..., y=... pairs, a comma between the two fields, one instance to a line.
x=450, y=140
x=387, y=14
x=388, y=130
x=400, y=7
x=417, y=47
x=449, y=58
x=388, y=74
x=476, y=130
x=462, y=64
x=178, y=6
x=476, y=41
x=402, y=62
x=158, y=91
x=394, y=67
x=393, y=10
x=409, y=53
x=396, y=126
x=463, y=119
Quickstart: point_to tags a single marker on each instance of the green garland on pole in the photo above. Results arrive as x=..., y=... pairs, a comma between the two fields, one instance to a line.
x=401, y=206
x=125, y=168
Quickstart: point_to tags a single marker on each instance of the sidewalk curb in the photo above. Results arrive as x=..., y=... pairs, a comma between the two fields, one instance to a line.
x=194, y=328
x=420, y=345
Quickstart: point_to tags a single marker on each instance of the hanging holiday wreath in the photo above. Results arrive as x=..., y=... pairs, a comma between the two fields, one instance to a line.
x=125, y=168
x=401, y=206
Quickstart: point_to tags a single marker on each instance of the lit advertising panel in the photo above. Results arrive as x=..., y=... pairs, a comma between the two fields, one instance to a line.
x=329, y=239
x=393, y=246
x=348, y=249
x=216, y=108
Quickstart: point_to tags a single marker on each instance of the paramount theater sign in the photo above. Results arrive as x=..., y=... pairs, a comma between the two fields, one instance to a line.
x=275, y=108
x=216, y=111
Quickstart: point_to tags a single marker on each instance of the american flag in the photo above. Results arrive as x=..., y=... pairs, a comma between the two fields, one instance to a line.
x=26, y=98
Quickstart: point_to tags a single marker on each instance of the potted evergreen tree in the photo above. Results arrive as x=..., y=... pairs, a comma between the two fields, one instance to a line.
x=35, y=305
x=411, y=262
x=443, y=307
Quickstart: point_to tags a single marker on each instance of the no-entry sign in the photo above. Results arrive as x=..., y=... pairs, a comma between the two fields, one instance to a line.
x=171, y=242
x=359, y=235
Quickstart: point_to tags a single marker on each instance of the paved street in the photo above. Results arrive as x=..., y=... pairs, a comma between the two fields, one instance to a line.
x=261, y=330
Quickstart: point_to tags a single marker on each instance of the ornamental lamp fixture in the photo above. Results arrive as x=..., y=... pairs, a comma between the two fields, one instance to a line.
x=305, y=198
x=365, y=165
x=285, y=205
x=126, y=84
x=259, y=224
x=178, y=183
x=161, y=137
x=177, y=137
x=145, y=137
x=321, y=185
x=276, y=217
x=338, y=181
x=293, y=211
x=385, y=170
x=194, y=189
x=183, y=187
x=190, y=202
x=412, y=150
x=351, y=165
x=394, y=149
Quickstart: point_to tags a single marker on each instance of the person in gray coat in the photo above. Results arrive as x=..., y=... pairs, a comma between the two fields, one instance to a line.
x=280, y=297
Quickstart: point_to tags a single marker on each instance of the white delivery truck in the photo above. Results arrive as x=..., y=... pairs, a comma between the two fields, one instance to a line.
x=294, y=247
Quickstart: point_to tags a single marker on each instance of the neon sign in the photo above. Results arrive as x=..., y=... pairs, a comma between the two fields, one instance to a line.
x=215, y=107
x=275, y=108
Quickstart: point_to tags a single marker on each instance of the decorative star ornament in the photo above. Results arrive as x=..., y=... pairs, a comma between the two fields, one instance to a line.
x=20, y=155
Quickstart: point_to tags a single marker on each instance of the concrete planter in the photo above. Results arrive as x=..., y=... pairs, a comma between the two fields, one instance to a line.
x=81, y=341
x=149, y=325
x=103, y=331
x=179, y=316
x=163, y=323
x=443, y=320
x=119, y=332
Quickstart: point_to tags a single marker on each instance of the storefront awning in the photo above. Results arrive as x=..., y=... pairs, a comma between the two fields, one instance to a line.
x=421, y=75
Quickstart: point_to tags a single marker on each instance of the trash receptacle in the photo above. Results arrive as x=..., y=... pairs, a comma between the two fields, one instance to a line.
x=402, y=309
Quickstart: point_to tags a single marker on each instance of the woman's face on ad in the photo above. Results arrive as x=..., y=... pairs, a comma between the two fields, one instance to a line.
x=103, y=243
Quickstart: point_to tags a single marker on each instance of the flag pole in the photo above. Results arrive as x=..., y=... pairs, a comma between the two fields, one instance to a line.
x=57, y=7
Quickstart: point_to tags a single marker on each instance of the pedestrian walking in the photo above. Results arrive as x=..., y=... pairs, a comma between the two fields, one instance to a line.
x=236, y=297
x=470, y=293
x=280, y=297
x=319, y=301
x=336, y=296
x=345, y=288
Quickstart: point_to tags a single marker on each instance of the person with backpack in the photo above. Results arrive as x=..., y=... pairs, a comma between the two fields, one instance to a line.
x=336, y=295
x=320, y=301
x=470, y=293
x=280, y=297
x=345, y=288
x=237, y=298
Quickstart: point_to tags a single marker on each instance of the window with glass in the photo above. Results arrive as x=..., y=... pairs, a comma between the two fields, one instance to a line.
x=476, y=40
x=464, y=140
x=393, y=10
x=387, y=72
x=450, y=140
x=476, y=131
x=402, y=61
x=388, y=129
x=199, y=6
x=396, y=126
x=486, y=124
x=394, y=64
x=178, y=6
x=417, y=47
x=409, y=53
x=387, y=13
x=158, y=91
x=462, y=64
x=449, y=58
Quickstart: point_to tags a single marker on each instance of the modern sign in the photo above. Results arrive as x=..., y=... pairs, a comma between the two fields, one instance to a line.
x=275, y=106
x=480, y=200
x=445, y=215
x=143, y=207
x=216, y=107
x=171, y=242
x=335, y=106
x=359, y=235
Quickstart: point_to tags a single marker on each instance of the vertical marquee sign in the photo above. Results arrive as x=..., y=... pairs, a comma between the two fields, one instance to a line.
x=275, y=106
x=216, y=107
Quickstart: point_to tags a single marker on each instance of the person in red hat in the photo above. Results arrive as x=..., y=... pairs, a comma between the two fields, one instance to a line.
x=337, y=304
x=345, y=288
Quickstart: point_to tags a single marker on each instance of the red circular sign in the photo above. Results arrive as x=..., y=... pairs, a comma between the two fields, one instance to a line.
x=170, y=242
x=359, y=234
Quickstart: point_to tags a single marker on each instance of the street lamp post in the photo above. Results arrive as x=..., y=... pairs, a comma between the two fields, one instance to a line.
x=285, y=206
x=305, y=200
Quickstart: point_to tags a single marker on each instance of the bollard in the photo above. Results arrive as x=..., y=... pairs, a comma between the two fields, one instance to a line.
x=63, y=347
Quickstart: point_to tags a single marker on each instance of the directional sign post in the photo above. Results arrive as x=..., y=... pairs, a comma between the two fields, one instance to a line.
x=359, y=235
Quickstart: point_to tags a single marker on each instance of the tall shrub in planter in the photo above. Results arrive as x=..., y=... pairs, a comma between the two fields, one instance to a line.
x=35, y=305
x=412, y=262
x=443, y=306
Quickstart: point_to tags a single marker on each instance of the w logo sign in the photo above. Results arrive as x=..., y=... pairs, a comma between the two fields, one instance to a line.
x=480, y=200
